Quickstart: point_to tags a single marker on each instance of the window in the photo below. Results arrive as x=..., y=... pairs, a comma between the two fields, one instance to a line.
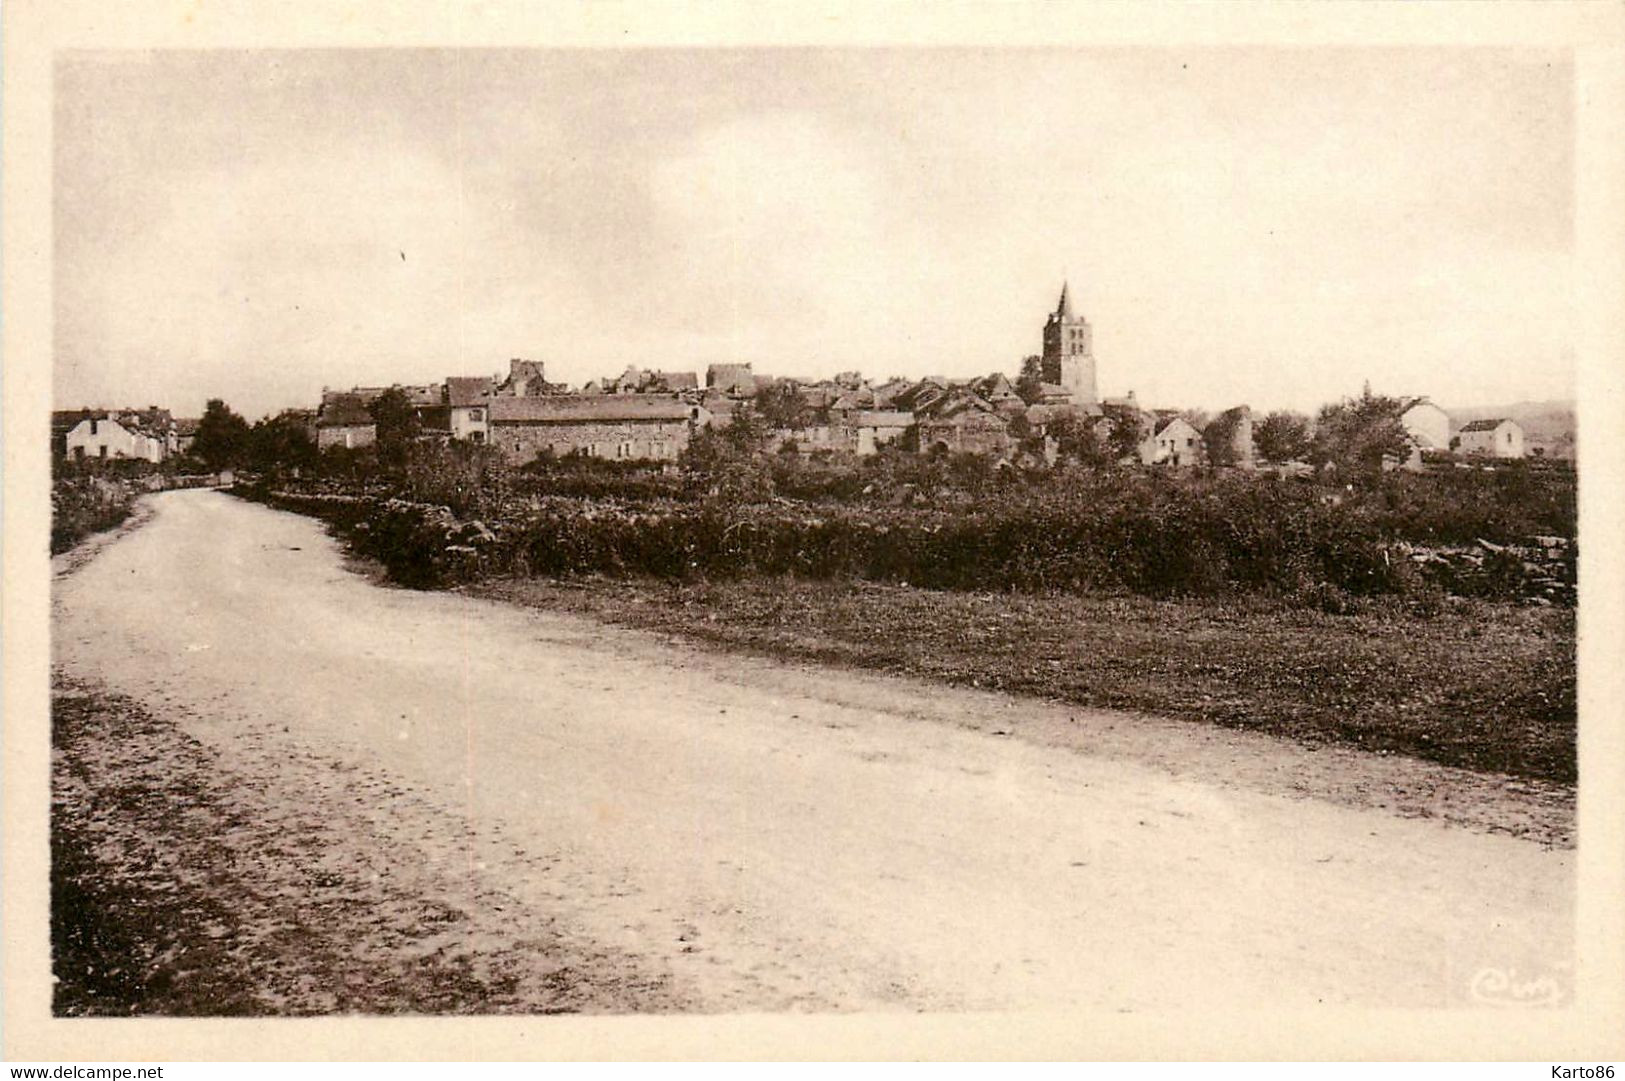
x=476, y=414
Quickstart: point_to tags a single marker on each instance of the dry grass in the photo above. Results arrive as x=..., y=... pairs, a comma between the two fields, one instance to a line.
x=1489, y=687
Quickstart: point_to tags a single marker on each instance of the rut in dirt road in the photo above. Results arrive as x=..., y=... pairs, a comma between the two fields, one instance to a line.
x=756, y=836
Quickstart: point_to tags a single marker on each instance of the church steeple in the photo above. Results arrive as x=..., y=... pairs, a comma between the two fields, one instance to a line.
x=1069, y=357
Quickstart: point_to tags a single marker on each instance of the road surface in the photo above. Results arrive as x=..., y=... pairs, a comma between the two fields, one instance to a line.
x=774, y=837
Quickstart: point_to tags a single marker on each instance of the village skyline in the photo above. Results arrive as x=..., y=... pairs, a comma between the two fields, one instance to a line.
x=1274, y=227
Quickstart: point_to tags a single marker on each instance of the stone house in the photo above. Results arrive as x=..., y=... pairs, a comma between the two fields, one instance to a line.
x=526, y=379
x=345, y=421
x=957, y=419
x=625, y=427
x=186, y=433
x=967, y=432
x=735, y=380
x=865, y=431
x=1497, y=438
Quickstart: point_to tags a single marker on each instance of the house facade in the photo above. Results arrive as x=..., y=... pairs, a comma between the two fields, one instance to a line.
x=1428, y=426
x=468, y=407
x=626, y=427
x=115, y=436
x=1498, y=438
x=344, y=421
x=866, y=431
x=1172, y=441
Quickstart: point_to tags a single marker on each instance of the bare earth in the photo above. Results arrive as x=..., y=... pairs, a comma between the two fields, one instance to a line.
x=614, y=821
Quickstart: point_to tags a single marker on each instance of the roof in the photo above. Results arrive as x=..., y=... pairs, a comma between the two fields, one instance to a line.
x=1044, y=413
x=679, y=380
x=467, y=389
x=424, y=395
x=1485, y=425
x=343, y=411
x=1064, y=308
x=882, y=418
x=570, y=408
x=1164, y=423
x=188, y=425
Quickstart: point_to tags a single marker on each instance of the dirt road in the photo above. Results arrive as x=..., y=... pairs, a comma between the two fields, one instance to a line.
x=766, y=837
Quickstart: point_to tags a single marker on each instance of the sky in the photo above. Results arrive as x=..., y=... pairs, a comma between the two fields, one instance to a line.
x=1273, y=227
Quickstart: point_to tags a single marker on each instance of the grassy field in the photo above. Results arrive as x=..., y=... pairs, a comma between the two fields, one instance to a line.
x=1488, y=687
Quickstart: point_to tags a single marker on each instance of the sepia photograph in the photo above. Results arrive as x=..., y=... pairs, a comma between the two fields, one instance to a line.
x=813, y=530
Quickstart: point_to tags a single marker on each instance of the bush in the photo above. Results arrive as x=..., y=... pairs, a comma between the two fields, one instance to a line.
x=84, y=503
x=955, y=523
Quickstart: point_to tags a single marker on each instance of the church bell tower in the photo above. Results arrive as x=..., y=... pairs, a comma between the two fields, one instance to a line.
x=1069, y=357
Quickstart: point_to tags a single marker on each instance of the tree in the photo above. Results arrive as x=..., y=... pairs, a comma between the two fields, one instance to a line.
x=782, y=405
x=1282, y=437
x=397, y=426
x=1125, y=430
x=1355, y=435
x=1077, y=440
x=726, y=462
x=222, y=436
x=281, y=442
x=1219, y=438
x=1030, y=383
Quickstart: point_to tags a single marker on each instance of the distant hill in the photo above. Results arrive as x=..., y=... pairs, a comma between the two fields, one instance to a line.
x=1548, y=424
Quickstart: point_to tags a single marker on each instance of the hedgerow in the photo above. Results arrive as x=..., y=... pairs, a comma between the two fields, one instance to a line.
x=1145, y=533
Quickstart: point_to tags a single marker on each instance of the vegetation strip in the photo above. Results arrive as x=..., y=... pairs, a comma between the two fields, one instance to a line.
x=1482, y=686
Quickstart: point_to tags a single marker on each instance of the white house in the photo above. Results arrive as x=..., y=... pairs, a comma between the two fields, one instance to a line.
x=468, y=401
x=115, y=437
x=1428, y=425
x=1173, y=442
x=1429, y=429
x=1497, y=438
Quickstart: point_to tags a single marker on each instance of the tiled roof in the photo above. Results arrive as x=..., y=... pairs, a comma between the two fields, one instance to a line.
x=1483, y=425
x=679, y=380
x=571, y=408
x=882, y=418
x=424, y=395
x=467, y=389
x=343, y=411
